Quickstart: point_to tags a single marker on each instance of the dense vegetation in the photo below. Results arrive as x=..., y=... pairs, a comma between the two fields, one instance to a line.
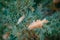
x=12, y=10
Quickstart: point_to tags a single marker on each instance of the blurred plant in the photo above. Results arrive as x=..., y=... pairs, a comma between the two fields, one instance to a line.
x=12, y=10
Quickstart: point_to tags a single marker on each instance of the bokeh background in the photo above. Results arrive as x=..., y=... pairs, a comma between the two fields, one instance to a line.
x=12, y=10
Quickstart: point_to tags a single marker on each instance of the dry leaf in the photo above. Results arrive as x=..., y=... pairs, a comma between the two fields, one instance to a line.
x=37, y=24
x=21, y=19
x=56, y=1
x=6, y=35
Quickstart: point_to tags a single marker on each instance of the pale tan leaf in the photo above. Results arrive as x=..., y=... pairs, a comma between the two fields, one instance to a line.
x=37, y=24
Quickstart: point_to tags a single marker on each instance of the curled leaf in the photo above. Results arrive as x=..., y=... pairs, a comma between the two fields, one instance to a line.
x=37, y=24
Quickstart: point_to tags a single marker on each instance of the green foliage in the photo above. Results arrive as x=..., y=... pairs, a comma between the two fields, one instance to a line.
x=12, y=10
